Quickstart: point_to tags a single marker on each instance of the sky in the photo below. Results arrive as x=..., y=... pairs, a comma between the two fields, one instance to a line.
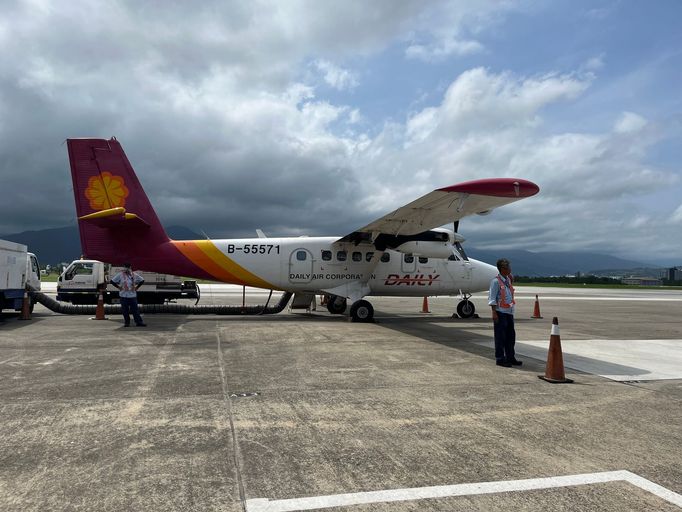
x=315, y=118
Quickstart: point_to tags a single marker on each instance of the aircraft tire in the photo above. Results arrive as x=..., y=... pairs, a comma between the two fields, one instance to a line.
x=362, y=311
x=466, y=309
x=336, y=305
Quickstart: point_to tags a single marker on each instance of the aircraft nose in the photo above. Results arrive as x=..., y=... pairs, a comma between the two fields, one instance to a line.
x=484, y=274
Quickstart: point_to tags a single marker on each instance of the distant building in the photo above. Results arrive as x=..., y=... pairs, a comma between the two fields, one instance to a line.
x=674, y=274
x=641, y=281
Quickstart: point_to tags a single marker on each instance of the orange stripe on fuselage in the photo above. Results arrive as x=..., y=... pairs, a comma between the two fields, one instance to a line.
x=208, y=257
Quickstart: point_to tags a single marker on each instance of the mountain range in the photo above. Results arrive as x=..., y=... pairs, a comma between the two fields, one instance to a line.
x=56, y=245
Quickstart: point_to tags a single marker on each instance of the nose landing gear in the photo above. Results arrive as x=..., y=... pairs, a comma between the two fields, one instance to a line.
x=466, y=308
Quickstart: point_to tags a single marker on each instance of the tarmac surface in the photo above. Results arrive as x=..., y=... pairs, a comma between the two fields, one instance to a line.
x=308, y=411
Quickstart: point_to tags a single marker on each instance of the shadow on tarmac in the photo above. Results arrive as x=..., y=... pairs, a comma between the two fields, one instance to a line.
x=431, y=329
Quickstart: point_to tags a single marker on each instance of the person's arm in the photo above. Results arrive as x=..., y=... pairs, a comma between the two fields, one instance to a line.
x=492, y=298
x=139, y=281
x=115, y=280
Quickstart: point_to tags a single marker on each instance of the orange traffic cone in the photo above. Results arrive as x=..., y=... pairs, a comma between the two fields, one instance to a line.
x=554, y=371
x=99, y=312
x=536, y=310
x=425, y=305
x=25, y=307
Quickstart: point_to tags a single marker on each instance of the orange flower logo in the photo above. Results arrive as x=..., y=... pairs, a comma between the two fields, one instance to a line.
x=106, y=192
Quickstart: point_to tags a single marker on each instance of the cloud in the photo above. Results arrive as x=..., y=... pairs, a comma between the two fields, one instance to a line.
x=450, y=29
x=442, y=49
x=335, y=76
x=676, y=217
x=629, y=122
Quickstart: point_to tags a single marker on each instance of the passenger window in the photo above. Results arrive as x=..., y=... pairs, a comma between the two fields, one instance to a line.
x=369, y=256
x=409, y=258
x=422, y=259
x=341, y=255
x=357, y=256
x=385, y=258
x=326, y=255
x=301, y=255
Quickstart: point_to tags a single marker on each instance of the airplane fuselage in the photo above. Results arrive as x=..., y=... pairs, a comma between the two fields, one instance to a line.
x=315, y=264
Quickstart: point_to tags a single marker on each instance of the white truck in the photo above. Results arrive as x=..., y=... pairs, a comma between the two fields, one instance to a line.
x=82, y=279
x=19, y=271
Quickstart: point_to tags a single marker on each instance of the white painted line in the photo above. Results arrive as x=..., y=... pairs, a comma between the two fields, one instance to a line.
x=442, y=491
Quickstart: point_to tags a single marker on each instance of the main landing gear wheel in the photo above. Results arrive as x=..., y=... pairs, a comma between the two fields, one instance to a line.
x=362, y=311
x=336, y=305
x=466, y=308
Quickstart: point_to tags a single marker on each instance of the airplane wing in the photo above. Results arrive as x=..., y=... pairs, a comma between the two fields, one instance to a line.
x=445, y=205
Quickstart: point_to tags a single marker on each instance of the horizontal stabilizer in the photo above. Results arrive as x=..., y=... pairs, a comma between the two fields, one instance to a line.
x=115, y=218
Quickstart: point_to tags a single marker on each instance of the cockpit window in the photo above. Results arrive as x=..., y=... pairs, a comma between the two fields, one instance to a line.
x=461, y=252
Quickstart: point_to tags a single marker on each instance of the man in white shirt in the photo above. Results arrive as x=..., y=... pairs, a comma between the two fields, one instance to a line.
x=128, y=282
x=501, y=300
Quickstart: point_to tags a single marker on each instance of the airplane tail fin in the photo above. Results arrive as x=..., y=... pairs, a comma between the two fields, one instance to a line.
x=117, y=222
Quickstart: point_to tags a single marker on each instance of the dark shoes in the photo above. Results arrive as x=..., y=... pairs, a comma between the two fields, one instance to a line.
x=126, y=325
x=509, y=364
x=141, y=325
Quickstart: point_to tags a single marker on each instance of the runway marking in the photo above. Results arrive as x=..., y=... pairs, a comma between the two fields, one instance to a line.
x=443, y=491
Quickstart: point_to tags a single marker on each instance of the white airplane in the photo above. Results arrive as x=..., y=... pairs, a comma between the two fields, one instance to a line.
x=404, y=253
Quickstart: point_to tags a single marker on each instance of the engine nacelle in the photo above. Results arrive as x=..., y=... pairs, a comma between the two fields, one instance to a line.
x=426, y=249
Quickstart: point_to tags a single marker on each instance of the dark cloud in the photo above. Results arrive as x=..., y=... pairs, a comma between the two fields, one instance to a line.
x=227, y=137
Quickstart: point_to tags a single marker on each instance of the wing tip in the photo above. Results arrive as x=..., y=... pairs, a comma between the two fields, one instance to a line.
x=498, y=187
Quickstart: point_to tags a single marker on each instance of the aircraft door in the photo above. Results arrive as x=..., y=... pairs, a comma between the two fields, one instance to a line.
x=409, y=263
x=460, y=268
x=300, y=266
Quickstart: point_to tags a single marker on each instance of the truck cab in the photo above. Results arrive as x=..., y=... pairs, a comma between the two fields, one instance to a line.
x=19, y=272
x=32, y=272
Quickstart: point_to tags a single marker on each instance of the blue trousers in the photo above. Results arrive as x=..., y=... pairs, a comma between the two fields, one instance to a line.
x=129, y=305
x=505, y=337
